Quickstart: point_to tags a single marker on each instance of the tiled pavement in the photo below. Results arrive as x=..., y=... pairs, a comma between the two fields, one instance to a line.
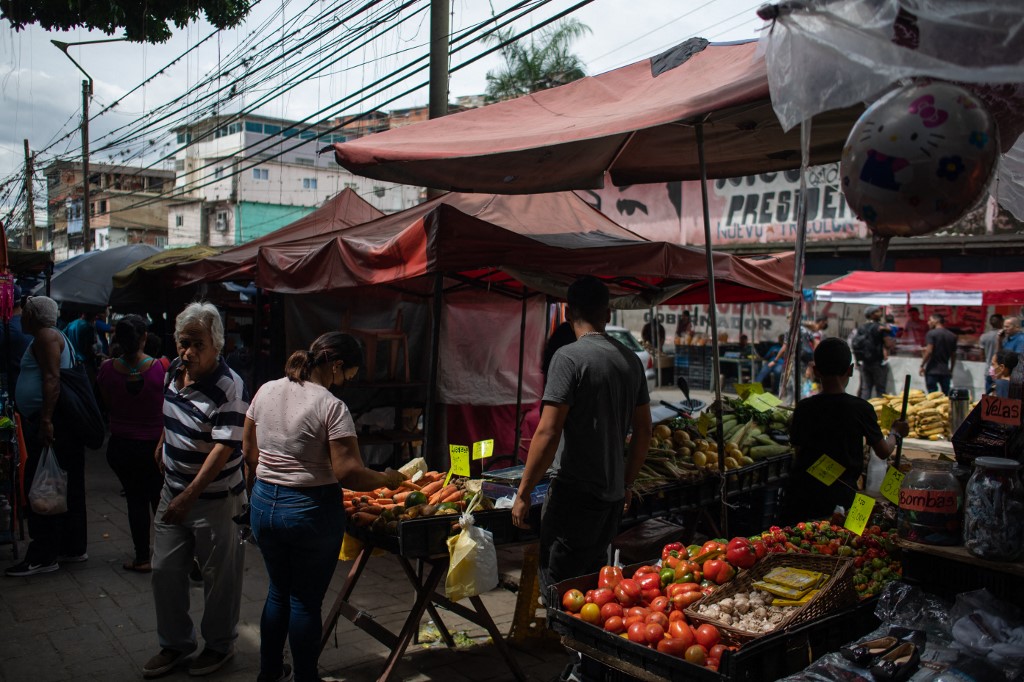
x=95, y=621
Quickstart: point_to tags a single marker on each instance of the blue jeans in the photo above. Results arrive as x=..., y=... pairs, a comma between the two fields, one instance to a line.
x=299, y=531
x=776, y=373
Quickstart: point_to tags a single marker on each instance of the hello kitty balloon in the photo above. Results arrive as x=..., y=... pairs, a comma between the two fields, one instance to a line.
x=917, y=160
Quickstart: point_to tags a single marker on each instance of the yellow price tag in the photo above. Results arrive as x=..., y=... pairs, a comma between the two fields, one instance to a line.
x=826, y=470
x=704, y=422
x=860, y=513
x=762, y=402
x=482, y=449
x=744, y=391
x=460, y=461
x=888, y=416
x=891, y=484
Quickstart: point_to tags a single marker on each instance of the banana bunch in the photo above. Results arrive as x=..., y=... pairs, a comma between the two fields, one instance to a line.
x=927, y=413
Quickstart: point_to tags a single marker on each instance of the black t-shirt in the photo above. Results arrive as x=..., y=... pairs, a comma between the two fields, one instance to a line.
x=943, y=343
x=833, y=424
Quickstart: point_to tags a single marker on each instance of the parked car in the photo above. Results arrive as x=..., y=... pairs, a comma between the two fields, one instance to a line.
x=626, y=338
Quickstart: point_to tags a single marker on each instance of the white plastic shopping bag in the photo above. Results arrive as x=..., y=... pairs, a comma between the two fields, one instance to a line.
x=473, y=568
x=49, y=492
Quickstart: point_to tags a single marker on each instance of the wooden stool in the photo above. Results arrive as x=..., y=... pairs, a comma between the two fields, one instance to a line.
x=395, y=336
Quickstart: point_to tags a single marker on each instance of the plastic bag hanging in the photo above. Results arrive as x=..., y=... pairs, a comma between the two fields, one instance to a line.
x=473, y=568
x=49, y=492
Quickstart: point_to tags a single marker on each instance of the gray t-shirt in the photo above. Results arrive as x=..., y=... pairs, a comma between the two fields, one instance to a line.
x=943, y=343
x=602, y=382
x=989, y=344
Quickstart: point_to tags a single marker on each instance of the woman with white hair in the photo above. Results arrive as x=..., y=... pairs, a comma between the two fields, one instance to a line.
x=201, y=455
x=58, y=537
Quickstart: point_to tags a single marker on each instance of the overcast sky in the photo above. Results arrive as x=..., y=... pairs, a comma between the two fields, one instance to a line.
x=41, y=89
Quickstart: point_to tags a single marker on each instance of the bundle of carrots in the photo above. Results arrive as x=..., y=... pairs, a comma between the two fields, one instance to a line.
x=411, y=499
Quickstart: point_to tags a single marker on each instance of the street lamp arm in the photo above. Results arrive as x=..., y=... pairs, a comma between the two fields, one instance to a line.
x=63, y=47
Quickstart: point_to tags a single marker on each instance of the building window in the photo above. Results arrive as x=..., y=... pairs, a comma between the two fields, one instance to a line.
x=308, y=183
x=269, y=129
x=291, y=132
x=222, y=221
x=160, y=242
x=253, y=127
x=218, y=172
x=184, y=138
x=234, y=128
x=378, y=191
x=179, y=220
x=260, y=174
x=103, y=206
x=179, y=164
x=302, y=160
x=338, y=138
x=307, y=134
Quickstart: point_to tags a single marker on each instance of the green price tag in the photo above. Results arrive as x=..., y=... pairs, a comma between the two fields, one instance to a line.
x=860, y=513
x=704, y=422
x=888, y=416
x=826, y=470
x=744, y=391
x=460, y=461
x=762, y=402
x=482, y=449
x=891, y=484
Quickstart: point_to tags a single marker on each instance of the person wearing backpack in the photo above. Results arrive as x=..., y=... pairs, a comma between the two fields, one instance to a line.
x=867, y=345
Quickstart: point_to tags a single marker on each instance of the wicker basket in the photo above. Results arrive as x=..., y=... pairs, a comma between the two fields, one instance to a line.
x=837, y=593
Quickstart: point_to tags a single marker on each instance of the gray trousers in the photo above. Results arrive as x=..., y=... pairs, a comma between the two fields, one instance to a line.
x=209, y=535
x=873, y=377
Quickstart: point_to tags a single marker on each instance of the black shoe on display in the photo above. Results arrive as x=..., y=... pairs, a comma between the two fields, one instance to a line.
x=861, y=653
x=898, y=664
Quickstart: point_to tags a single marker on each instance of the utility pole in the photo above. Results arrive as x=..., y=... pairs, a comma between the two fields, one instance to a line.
x=86, y=228
x=439, y=10
x=30, y=212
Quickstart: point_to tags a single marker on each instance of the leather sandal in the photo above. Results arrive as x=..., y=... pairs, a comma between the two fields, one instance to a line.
x=137, y=566
x=861, y=653
x=898, y=664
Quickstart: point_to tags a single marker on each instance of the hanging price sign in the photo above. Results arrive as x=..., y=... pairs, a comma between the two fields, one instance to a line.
x=482, y=449
x=826, y=470
x=887, y=417
x=704, y=422
x=460, y=461
x=860, y=513
x=762, y=402
x=891, y=484
x=744, y=391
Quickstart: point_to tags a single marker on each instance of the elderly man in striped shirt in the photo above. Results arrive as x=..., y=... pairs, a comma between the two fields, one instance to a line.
x=204, y=487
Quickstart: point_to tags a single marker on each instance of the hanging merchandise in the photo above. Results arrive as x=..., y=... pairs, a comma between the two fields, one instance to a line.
x=49, y=492
x=474, y=561
x=917, y=160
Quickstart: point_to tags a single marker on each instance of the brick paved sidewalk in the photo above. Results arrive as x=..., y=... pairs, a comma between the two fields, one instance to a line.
x=95, y=621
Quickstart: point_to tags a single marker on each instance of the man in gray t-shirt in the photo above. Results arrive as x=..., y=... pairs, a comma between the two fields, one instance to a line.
x=989, y=345
x=596, y=392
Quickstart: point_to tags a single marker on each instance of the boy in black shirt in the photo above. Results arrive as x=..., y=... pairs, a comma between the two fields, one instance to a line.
x=836, y=424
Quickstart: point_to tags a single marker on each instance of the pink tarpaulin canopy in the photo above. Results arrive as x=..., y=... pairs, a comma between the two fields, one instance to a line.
x=926, y=288
x=635, y=123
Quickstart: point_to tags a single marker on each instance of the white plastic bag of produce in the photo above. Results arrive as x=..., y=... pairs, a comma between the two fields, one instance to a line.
x=473, y=569
x=49, y=492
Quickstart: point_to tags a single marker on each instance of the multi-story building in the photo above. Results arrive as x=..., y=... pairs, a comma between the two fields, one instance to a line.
x=241, y=179
x=127, y=205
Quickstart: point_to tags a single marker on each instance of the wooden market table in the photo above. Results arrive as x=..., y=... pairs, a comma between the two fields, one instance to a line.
x=424, y=580
x=948, y=571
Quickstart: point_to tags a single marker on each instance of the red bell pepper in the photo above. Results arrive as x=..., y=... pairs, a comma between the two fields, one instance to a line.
x=740, y=553
x=673, y=549
x=718, y=571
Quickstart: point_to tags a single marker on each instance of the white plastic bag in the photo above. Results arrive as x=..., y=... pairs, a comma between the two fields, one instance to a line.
x=473, y=569
x=49, y=492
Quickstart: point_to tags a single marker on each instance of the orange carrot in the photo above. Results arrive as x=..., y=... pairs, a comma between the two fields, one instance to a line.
x=374, y=509
x=439, y=495
x=431, y=488
x=453, y=496
x=399, y=498
x=408, y=485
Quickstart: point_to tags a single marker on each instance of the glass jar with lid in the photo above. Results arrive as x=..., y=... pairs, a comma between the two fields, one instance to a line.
x=930, y=501
x=993, y=523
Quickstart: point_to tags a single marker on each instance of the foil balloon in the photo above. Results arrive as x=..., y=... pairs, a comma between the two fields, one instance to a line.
x=917, y=160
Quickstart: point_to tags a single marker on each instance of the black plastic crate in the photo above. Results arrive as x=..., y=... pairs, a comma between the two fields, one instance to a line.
x=747, y=478
x=779, y=467
x=667, y=499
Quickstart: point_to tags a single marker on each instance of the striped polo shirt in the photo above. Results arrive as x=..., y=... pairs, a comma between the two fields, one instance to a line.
x=196, y=418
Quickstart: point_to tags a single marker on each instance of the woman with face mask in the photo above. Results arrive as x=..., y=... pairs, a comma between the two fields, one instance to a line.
x=300, y=443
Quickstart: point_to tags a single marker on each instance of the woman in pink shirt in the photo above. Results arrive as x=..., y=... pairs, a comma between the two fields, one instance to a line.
x=132, y=386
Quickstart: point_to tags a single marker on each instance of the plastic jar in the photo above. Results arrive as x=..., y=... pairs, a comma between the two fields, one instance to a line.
x=993, y=523
x=930, y=499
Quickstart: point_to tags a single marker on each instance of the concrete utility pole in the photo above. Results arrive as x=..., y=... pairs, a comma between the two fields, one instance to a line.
x=86, y=231
x=30, y=212
x=438, y=107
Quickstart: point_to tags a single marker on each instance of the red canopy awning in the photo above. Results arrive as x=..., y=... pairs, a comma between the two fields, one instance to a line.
x=926, y=288
x=343, y=211
x=635, y=123
x=541, y=242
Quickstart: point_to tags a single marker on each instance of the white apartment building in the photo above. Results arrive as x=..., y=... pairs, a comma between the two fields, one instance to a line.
x=236, y=182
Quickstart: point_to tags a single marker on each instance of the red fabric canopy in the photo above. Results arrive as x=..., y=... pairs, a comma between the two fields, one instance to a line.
x=343, y=211
x=540, y=241
x=635, y=122
x=926, y=288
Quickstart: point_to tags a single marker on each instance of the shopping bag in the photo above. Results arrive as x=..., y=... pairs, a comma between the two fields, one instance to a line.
x=49, y=492
x=473, y=568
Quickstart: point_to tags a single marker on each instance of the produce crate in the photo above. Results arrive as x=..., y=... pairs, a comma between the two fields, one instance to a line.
x=428, y=536
x=765, y=659
x=836, y=594
x=746, y=478
x=779, y=467
x=663, y=500
x=694, y=364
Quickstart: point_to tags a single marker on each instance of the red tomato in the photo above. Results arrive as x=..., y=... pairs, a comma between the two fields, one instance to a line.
x=650, y=595
x=627, y=592
x=649, y=581
x=643, y=570
x=609, y=576
x=612, y=608
x=629, y=620
x=589, y=596
x=591, y=613
x=673, y=616
x=696, y=655
x=637, y=612
x=657, y=617
x=573, y=600
x=717, y=651
x=672, y=647
x=638, y=633
x=708, y=636
x=603, y=595
x=660, y=603
x=614, y=624
x=654, y=633
x=679, y=630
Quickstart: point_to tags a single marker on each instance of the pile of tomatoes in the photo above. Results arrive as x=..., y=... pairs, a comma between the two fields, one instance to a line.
x=643, y=610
